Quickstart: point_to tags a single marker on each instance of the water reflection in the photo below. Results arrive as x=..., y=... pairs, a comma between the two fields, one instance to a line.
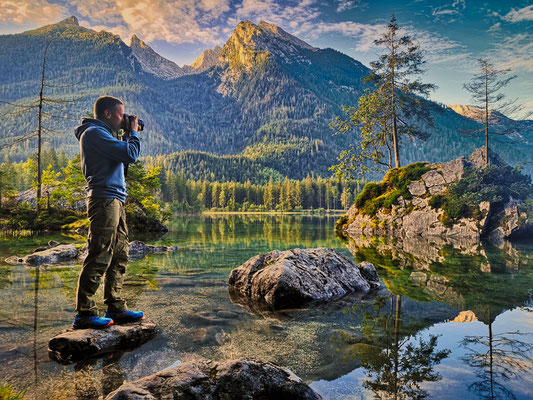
x=463, y=274
x=496, y=359
x=396, y=362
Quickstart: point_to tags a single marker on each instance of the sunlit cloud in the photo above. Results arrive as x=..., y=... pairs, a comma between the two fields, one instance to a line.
x=176, y=22
x=30, y=11
x=519, y=14
x=297, y=18
x=449, y=13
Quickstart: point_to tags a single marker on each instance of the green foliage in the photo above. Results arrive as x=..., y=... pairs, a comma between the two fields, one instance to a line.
x=21, y=217
x=71, y=188
x=385, y=194
x=54, y=219
x=7, y=392
x=493, y=184
x=141, y=186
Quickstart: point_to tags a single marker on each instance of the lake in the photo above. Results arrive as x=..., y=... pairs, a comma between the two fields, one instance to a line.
x=450, y=321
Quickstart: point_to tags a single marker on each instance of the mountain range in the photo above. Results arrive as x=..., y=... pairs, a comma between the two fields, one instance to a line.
x=259, y=106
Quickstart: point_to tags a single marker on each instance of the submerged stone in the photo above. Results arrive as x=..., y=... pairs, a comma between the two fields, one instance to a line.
x=56, y=252
x=291, y=278
x=208, y=380
x=75, y=345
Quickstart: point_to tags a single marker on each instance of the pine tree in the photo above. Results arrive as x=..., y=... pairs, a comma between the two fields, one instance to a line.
x=390, y=110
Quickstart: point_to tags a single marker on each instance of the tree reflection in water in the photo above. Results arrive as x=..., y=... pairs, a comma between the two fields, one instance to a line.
x=497, y=358
x=397, y=362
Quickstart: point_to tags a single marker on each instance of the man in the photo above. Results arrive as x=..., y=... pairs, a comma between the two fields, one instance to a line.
x=102, y=163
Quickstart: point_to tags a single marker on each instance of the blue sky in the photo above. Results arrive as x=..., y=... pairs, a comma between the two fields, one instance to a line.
x=454, y=33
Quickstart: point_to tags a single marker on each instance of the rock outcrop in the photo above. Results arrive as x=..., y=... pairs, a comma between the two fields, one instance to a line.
x=291, y=278
x=139, y=220
x=208, y=380
x=415, y=213
x=56, y=252
x=76, y=345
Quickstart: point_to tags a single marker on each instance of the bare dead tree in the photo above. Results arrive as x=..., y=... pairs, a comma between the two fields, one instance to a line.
x=485, y=88
x=39, y=105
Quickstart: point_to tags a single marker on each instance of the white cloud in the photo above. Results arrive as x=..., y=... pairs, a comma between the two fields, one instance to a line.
x=449, y=13
x=496, y=27
x=514, y=52
x=438, y=49
x=349, y=4
x=30, y=11
x=519, y=14
x=363, y=34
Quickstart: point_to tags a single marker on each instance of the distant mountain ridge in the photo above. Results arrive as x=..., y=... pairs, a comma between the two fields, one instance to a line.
x=264, y=99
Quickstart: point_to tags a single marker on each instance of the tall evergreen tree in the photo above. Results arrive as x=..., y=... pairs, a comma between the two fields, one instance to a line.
x=390, y=110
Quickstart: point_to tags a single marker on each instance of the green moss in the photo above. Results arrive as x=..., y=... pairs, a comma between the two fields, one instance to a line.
x=81, y=223
x=385, y=194
x=341, y=223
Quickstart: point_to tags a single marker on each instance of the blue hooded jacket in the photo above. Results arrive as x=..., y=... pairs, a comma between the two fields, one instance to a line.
x=103, y=158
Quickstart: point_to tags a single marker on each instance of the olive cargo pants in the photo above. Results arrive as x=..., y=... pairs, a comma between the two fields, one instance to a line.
x=107, y=256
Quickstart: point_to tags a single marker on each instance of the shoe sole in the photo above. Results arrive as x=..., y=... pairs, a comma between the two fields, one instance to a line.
x=127, y=322
x=92, y=326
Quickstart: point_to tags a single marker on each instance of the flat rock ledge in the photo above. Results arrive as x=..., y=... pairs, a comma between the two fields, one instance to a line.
x=207, y=380
x=291, y=278
x=56, y=252
x=75, y=345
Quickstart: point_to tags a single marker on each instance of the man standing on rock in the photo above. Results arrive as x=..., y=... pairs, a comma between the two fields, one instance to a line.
x=102, y=162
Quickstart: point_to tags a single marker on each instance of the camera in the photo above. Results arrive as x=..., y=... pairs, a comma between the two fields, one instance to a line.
x=128, y=120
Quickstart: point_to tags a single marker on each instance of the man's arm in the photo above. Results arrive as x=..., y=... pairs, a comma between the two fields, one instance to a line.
x=103, y=142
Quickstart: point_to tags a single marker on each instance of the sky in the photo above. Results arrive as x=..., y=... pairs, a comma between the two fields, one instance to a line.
x=452, y=33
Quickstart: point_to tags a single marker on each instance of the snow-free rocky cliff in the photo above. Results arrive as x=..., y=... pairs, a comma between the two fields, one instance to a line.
x=418, y=214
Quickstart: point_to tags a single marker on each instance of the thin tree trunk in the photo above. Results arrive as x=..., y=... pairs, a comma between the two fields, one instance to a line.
x=39, y=130
x=486, y=123
x=394, y=127
x=396, y=344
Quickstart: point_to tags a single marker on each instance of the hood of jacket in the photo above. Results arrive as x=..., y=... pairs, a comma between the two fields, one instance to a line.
x=87, y=123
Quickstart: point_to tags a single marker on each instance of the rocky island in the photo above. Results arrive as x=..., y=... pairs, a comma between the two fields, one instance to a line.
x=456, y=199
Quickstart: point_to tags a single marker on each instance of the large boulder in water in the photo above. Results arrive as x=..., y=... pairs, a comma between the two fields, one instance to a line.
x=291, y=278
x=208, y=380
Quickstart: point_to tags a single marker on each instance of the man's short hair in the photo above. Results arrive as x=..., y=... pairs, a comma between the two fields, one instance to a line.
x=103, y=103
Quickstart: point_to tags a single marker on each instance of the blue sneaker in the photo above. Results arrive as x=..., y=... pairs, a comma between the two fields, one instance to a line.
x=125, y=316
x=91, y=321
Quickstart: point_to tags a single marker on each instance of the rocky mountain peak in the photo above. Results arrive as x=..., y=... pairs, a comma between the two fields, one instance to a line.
x=72, y=20
x=207, y=59
x=136, y=42
x=276, y=30
x=153, y=63
x=251, y=44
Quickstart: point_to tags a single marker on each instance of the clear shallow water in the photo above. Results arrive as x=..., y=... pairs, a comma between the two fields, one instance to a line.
x=452, y=320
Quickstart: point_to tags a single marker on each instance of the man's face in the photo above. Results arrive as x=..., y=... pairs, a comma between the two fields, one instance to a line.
x=114, y=117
